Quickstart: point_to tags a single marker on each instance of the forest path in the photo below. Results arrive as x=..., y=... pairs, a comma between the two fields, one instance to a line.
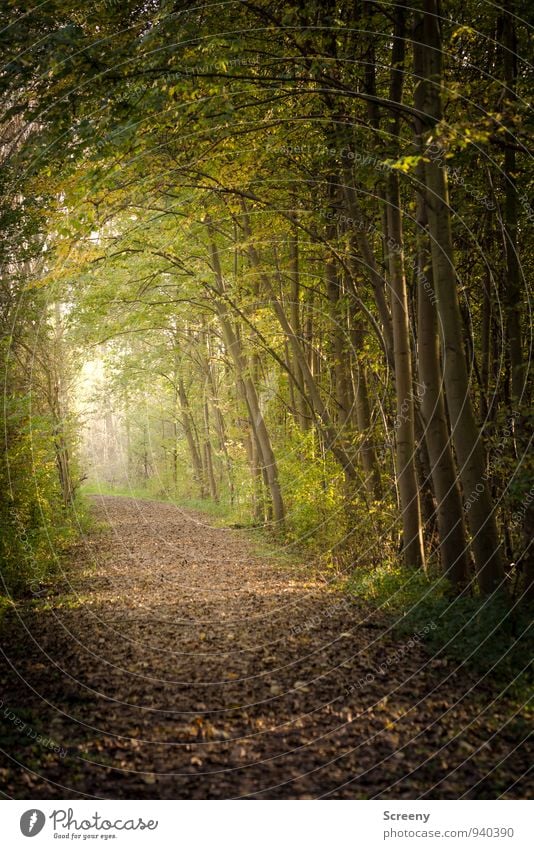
x=178, y=662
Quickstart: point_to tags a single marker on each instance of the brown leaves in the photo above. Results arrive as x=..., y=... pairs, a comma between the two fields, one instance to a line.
x=197, y=669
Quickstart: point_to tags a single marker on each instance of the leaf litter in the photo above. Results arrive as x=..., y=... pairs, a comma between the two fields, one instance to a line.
x=177, y=662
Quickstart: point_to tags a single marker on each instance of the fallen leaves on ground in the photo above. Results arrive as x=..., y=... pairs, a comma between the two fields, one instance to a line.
x=178, y=662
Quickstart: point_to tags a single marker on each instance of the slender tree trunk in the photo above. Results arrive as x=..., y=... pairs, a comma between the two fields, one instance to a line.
x=257, y=501
x=259, y=427
x=467, y=441
x=188, y=426
x=405, y=433
x=57, y=403
x=413, y=549
x=302, y=412
x=220, y=425
x=337, y=346
x=513, y=286
x=485, y=339
x=337, y=329
x=363, y=410
x=324, y=420
x=369, y=262
x=453, y=543
x=175, y=453
x=452, y=538
x=208, y=455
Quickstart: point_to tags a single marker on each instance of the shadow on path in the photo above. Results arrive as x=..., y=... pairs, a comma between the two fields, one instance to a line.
x=177, y=662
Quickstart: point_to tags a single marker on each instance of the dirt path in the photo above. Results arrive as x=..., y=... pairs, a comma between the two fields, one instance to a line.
x=181, y=664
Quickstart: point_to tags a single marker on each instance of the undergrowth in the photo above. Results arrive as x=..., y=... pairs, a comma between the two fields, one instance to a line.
x=494, y=636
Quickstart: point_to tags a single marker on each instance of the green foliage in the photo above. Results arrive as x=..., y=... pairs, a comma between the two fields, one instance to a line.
x=131, y=146
x=492, y=636
x=322, y=514
x=35, y=525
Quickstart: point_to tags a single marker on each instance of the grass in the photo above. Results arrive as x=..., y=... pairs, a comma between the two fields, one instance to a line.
x=494, y=636
x=207, y=506
x=125, y=491
x=6, y=604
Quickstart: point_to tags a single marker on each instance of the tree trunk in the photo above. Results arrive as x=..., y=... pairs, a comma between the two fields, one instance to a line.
x=303, y=416
x=467, y=441
x=362, y=409
x=259, y=428
x=220, y=425
x=512, y=287
x=322, y=415
x=452, y=538
x=405, y=434
x=208, y=455
x=369, y=262
x=188, y=426
x=413, y=549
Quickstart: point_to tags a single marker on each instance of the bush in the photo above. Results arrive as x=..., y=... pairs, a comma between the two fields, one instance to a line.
x=34, y=522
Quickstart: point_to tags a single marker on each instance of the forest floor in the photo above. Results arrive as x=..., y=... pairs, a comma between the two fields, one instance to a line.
x=178, y=660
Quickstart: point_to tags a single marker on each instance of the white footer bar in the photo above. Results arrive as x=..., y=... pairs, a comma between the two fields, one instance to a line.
x=268, y=824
